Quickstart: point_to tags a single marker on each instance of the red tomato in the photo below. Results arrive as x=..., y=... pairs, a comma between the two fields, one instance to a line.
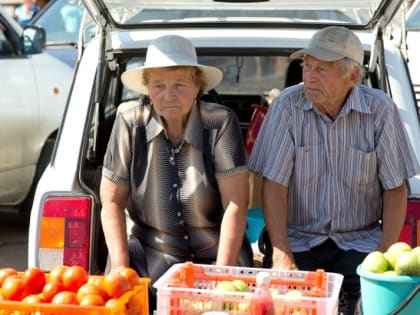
x=98, y=283
x=92, y=300
x=74, y=277
x=89, y=288
x=32, y=298
x=65, y=297
x=56, y=274
x=5, y=272
x=14, y=288
x=115, y=285
x=34, y=279
x=111, y=303
x=50, y=289
x=131, y=275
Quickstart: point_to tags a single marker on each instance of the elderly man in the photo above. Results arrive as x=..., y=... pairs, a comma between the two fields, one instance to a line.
x=335, y=158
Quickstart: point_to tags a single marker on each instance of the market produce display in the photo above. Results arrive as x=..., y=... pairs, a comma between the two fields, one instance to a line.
x=194, y=289
x=400, y=259
x=71, y=285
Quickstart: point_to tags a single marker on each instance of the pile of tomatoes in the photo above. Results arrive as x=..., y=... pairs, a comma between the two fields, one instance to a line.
x=65, y=285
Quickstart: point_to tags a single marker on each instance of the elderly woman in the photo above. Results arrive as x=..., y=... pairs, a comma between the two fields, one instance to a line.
x=178, y=165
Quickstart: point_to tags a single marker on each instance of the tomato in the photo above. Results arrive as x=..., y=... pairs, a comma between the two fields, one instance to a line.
x=89, y=288
x=56, y=274
x=65, y=297
x=5, y=272
x=111, y=303
x=50, y=289
x=92, y=300
x=131, y=275
x=98, y=283
x=14, y=288
x=115, y=285
x=35, y=279
x=32, y=298
x=74, y=277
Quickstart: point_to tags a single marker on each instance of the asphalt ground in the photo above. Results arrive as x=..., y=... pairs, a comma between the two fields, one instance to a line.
x=13, y=240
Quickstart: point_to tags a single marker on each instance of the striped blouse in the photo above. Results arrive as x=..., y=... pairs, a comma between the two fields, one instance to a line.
x=175, y=199
x=335, y=170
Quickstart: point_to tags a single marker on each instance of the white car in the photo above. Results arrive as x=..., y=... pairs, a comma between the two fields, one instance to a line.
x=34, y=89
x=250, y=43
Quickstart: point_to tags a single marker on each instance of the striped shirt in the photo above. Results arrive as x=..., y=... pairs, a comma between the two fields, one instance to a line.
x=175, y=200
x=335, y=170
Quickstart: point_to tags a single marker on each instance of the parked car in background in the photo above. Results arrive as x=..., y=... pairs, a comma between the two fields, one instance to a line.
x=34, y=90
x=413, y=46
x=250, y=44
x=61, y=20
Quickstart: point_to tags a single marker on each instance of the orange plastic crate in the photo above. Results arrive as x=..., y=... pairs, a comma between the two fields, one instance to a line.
x=188, y=289
x=133, y=302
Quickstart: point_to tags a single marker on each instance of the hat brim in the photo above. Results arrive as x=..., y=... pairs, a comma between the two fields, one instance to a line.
x=319, y=53
x=133, y=79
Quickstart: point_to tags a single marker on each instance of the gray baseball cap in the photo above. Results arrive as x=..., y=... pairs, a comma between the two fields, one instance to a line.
x=333, y=43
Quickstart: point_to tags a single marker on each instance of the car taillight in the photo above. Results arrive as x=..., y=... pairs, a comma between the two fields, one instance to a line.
x=65, y=232
x=411, y=230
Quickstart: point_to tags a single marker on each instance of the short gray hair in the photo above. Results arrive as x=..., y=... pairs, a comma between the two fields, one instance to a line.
x=347, y=64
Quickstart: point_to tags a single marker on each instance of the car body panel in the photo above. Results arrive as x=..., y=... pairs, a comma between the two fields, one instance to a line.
x=65, y=164
x=121, y=14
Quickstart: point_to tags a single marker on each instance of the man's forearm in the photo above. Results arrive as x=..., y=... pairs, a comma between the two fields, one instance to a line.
x=394, y=211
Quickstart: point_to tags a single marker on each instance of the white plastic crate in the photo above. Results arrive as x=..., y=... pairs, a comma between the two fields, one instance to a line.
x=188, y=289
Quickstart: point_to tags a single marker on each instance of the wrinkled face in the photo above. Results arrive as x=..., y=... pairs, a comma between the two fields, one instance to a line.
x=325, y=84
x=172, y=92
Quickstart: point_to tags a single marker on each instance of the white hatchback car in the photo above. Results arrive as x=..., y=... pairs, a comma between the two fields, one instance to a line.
x=34, y=89
x=250, y=43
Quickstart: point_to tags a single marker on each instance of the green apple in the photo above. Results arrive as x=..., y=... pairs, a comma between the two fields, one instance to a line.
x=394, y=251
x=375, y=262
x=417, y=250
x=225, y=286
x=240, y=285
x=407, y=264
x=389, y=273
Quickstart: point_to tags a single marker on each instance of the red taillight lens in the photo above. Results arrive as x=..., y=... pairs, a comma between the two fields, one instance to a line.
x=65, y=232
x=411, y=229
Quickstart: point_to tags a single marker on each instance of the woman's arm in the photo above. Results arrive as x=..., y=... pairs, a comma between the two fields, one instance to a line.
x=234, y=191
x=114, y=199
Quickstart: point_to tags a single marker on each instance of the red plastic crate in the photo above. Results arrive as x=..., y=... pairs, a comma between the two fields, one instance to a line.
x=133, y=302
x=188, y=289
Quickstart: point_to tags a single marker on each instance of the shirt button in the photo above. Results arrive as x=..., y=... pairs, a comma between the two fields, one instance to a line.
x=175, y=185
x=178, y=214
x=181, y=222
x=185, y=237
x=192, y=255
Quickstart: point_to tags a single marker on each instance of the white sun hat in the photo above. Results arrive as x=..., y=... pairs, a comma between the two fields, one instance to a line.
x=170, y=51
